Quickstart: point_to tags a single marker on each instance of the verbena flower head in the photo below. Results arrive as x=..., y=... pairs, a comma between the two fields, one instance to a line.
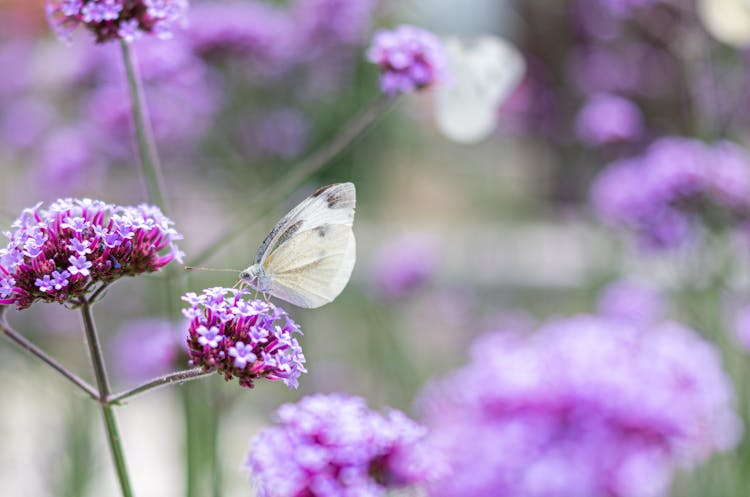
x=676, y=183
x=116, y=19
x=65, y=252
x=409, y=59
x=333, y=445
x=609, y=119
x=241, y=337
x=584, y=407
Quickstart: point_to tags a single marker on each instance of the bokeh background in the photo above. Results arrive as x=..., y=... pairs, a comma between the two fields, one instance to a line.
x=454, y=241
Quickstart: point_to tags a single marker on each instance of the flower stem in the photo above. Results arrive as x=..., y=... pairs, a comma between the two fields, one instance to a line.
x=262, y=202
x=22, y=342
x=100, y=372
x=150, y=166
x=170, y=379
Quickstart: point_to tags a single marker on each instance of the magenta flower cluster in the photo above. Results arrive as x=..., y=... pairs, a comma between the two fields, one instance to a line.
x=243, y=338
x=409, y=59
x=116, y=19
x=62, y=253
x=333, y=445
x=584, y=407
x=678, y=182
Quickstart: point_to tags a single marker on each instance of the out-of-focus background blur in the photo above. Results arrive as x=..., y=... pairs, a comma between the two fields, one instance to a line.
x=454, y=241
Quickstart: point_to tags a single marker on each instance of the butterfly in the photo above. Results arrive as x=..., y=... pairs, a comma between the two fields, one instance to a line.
x=482, y=76
x=308, y=257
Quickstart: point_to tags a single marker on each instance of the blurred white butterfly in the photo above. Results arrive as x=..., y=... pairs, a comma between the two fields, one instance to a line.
x=308, y=257
x=727, y=20
x=481, y=76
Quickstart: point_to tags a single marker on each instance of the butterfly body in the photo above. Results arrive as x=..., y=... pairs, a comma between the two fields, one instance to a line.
x=309, y=255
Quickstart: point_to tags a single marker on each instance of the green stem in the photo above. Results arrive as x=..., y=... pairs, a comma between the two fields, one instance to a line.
x=150, y=166
x=100, y=372
x=263, y=202
x=170, y=379
x=29, y=347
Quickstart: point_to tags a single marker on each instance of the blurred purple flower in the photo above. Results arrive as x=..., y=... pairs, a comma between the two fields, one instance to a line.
x=624, y=7
x=607, y=119
x=255, y=30
x=630, y=301
x=741, y=327
x=116, y=19
x=36, y=264
x=249, y=339
x=619, y=68
x=333, y=445
x=145, y=348
x=595, y=20
x=321, y=25
x=23, y=121
x=585, y=407
x=409, y=59
x=661, y=193
x=403, y=265
x=66, y=157
x=729, y=181
x=281, y=133
x=172, y=76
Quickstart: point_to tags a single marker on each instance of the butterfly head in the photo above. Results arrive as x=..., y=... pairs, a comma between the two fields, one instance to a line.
x=256, y=278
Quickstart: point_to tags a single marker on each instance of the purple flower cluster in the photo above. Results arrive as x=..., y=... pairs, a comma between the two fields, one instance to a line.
x=252, y=29
x=631, y=301
x=116, y=19
x=65, y=151
x=63, y=253
x=409, y=59
x=609, y=119
x=333, y=445
x=403, y=265
x=237, y=336
x=677, y=181
x=145, y=348
x=585, y=407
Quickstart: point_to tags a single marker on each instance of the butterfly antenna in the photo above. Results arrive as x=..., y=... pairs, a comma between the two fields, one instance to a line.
x=192, y=268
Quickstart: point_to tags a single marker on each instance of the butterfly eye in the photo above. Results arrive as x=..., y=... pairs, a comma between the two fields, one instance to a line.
x=245, y=275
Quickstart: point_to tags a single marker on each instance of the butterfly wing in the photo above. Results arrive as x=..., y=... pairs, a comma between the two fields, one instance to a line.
x=313, y=267
x=309, y=255
x=482, y=76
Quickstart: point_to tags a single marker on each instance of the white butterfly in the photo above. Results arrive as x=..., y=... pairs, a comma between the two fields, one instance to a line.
x=308, y=257
x=481, y=77
x=727, y=20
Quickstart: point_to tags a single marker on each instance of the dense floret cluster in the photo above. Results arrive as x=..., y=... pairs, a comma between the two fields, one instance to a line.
x=72, y=248
x=675, y=185
x=116, y=19
x=333, y=445
x=584, y=407
x=241, y=337
x=409, y=59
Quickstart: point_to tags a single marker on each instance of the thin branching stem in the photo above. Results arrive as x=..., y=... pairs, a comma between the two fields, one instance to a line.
x=100, y=372
x=263, y=202
x=170, y=379
x=32, y=349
